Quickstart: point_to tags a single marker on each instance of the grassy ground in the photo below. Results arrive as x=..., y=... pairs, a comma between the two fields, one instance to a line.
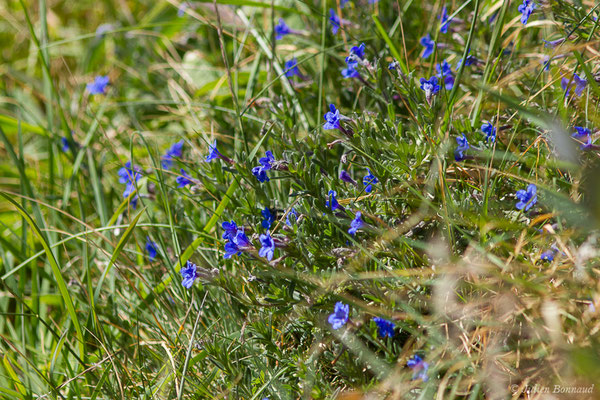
x=493, y=290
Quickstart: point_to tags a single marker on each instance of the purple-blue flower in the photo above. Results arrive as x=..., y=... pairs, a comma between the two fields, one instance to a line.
x=265, y=164
x=549, y=255
x=463, y=146
x=281, y=29
x=588, y=145
x=580, y=84
x=184, y=179
x=356, y=224
x=385, y=327
x=291, y=68
x=340, y=314
x=332, y=118
x=369, y=180
x=444, y=71
x=189, y=274
x=127, y=173
x=526, y=9
x=237, y=244
x=213, y=153
x=151, y=248
x=527, y=198
x=268, y=246
x=358, y=51
x=350, y=70
x=430, y=87
x=64, y=144
x=393, y=65
x=469, y=60
x=445, y=21
x=335, y=21
x=428, y=45
x=175, y=151
x=287, y=218
x=345, y=176
x=419, y=368
x=98, y=86
x=332, y=203
x=581, y=132
x=490, y=132
x=553, y=43
x=230, y=228
x=269, y=218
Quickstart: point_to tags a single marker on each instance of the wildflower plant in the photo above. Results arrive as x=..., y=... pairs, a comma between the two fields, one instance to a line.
x=354, y=199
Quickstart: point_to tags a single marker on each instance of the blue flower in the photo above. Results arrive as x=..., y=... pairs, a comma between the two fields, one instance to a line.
x=231, y=249
x=151, y=248
x=269, y=218
x=332, y=118
x=175, y=151
x=553, y=43
x=428, y=45
x=470, y=60
x=237, y=244
x=369, y=180
x=444, y=70
x=581, y=132
x=546, y=62
x=386, y=328
x=463, y=146
x=268, y=246
x=339, y=317
x=490, y=131
x=287, y=218
x=588, y=144
x=358, y=51
x=335, y=21
x=430, y=87
x=356, y=224
x=64, y=144
x=549, y=255
x=393, y=65
x=265, y=164
x=98, y=86
x=332, y=203
x=129, y=188
x=345, y=176
x=580, y=84
x=267, y=160
x=126, y=173
x=527, y=198
x=526, y=9
x=213, y=152
x=261, y=174
x=129, y=175
x=189, y=274
x=183, y=180
x=350, y=70
x=444, y=20
x=291, y=68
x=419, y=368
x=230, y=228
x=281, y=29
